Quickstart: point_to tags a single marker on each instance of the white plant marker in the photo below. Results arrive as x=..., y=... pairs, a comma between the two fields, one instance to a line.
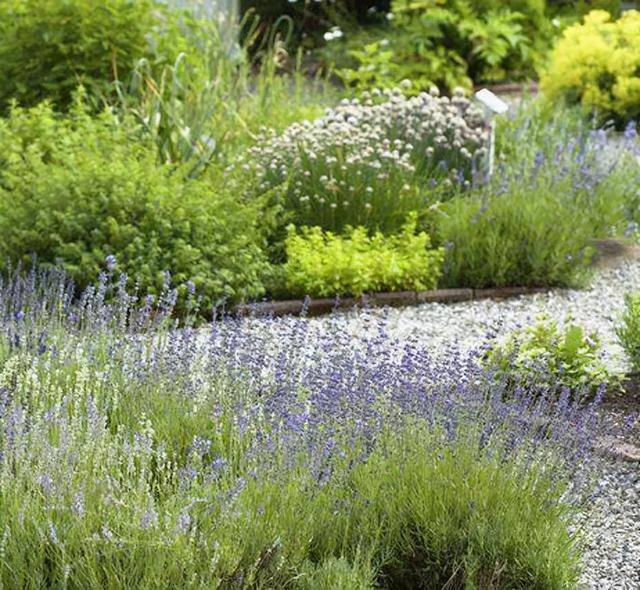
x=493, y=105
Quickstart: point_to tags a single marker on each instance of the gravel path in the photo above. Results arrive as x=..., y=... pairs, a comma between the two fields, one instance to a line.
x=611, y=525
x=467, y=325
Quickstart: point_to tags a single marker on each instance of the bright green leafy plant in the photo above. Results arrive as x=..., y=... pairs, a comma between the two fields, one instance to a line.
x=629, y=331
x=450, y=43
x=79, y=188
x=545, y=352
x=49, y=47
x=324, y=264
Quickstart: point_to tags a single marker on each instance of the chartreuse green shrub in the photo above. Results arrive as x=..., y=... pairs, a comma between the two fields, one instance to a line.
x=629, y=330
x=79, y=188
x=546, y=352
x=48, y=47
x=324, y=264
x=597, y=64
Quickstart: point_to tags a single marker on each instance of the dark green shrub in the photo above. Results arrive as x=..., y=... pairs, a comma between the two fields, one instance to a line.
x=309, y=19
x=573, y=9
x=79, y=189
x=48, y=47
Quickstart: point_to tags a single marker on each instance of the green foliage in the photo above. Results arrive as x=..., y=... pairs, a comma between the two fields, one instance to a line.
x=543, y=353
x=523, y=237
x=323, y=264
x=574, y=9
x=597, y=65
x=49, y=47
x=210, y=103
x=335, y=574
x=449, y=43
x=79, y=188
x=629, y=331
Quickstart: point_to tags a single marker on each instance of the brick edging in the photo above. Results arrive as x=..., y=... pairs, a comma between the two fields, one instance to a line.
x=314, y=307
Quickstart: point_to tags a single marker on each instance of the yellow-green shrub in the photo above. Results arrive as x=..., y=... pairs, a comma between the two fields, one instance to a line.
x=597, y=64
x=323, y=264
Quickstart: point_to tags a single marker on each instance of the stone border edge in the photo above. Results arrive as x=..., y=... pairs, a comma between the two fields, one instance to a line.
x=315, y=307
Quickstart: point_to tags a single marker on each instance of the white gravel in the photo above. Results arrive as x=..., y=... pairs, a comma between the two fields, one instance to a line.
x=611, y=531
x=466, y=325
x=610, y=525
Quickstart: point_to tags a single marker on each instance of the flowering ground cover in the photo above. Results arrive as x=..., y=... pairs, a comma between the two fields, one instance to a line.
x=269, y=453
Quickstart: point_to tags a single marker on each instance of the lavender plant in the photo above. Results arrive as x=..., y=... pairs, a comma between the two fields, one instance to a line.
x=556, y=187
x=266, y=453
x=370, y=163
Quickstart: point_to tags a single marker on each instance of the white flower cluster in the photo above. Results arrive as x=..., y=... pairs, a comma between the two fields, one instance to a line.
x=407, y=133
x=371, y=156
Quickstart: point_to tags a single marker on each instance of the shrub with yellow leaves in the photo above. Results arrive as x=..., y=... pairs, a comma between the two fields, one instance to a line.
x=597, y=64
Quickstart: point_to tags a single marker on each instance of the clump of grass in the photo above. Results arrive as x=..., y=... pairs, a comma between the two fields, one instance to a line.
x=629, y=329
x=210, y=103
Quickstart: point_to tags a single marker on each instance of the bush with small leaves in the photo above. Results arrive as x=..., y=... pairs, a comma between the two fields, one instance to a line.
x=326, y=265
x=79, y=188
x=49, y=47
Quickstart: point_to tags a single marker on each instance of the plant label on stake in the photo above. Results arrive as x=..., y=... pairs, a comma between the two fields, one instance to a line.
x=493, y=105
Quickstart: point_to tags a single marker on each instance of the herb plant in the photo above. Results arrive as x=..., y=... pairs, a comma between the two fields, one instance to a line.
x=266, y=453
x=324, y=264
x=629, y=330
x=449, y=43
x=370, y=163
x=544, y=353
